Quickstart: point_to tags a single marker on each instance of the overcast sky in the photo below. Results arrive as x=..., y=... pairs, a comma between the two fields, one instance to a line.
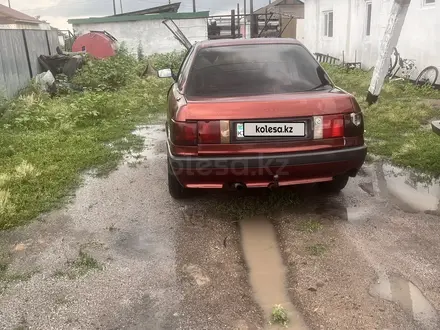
x=58, y=11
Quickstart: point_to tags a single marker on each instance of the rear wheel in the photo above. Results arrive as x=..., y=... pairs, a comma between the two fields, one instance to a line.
x=176, y=190
x=336, y=185
x=428, y=76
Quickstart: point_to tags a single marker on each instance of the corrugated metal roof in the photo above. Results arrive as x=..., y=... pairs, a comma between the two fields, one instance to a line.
x=171, y=8
x=11, y=16
x=129, y=18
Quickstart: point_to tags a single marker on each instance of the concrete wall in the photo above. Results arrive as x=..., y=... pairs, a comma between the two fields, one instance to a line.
x=300, y=30
x=418, y=41
x=151, y=34
x=15, y=69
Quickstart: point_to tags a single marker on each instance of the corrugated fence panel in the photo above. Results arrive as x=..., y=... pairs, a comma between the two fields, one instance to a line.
x=20, y=58
x=3, y=85
x=37, y=45
x=53, y=41
x=14, y=65
x=9, y=64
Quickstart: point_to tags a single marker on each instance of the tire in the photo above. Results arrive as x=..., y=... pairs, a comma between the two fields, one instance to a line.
x=335, y=186
x=176, y=190
x=424, y=72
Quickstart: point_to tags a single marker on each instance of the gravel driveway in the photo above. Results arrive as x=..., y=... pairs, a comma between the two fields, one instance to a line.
x=124, y=255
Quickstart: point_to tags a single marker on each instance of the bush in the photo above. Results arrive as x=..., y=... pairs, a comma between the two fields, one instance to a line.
x=107, y=74
x=167, y=61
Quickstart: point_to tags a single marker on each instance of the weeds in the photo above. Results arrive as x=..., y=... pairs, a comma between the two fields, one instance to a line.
x=310, y=226
x=317, y=249
x=7, y=276
x=279, y=316
x=46, y=143
x=83, y=264
x=397, y=127
x=86, y=262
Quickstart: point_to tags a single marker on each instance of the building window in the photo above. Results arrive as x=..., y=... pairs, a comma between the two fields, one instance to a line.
x=328, y=23
x=368, y=28
x=428, y=2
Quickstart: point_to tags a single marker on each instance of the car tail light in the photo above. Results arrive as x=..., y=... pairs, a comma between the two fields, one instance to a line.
x=354, y=124
x=327, y=127
x=209, y=131
x=214, y=131
x=183, y=133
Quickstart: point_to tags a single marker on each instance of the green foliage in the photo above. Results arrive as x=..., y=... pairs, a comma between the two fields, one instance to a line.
x=47, y=142
x=109, y=74
x=398, y=125
x=140, y=52
x=279, y=316
x=167, y=61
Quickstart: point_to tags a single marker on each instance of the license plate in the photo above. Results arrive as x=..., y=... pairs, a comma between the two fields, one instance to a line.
x=271, y=130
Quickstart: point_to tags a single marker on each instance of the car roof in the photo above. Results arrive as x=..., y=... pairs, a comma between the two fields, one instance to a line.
x=240, y=42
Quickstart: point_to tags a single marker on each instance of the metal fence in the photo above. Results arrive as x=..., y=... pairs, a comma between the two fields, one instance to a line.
x=19, y=52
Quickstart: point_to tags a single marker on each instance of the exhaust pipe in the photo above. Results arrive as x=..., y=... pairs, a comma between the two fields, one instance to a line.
x=239, y=186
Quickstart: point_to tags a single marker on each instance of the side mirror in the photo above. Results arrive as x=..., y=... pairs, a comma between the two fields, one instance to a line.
x=165, y=73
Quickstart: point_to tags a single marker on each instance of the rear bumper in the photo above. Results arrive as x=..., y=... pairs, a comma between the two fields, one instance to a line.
x=261, y=170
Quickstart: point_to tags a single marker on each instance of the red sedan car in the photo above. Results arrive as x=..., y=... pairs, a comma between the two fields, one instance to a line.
x=259, y=113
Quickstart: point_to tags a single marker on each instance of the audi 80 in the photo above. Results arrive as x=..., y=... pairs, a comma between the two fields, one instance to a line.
x=252, y=113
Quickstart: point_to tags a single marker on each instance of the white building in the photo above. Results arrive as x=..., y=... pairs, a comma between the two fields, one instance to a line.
x=147, y=31
x=11, y=19
x=356, y=27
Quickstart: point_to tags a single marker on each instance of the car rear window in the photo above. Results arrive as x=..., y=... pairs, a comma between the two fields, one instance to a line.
x=229, y=71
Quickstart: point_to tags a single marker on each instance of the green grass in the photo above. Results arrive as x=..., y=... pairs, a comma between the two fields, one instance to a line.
x=7, y=276
x=398, y=125
x=310, y=226
x=83, y=264
x=47, y=143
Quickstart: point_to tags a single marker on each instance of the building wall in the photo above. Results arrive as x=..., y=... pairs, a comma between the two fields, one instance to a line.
x=418, y=41
x=153, y=35
x=24, y=26
x=300, y=30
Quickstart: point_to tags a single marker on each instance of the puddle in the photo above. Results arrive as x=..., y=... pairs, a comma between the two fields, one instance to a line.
x=410, y=191
x=266, y=269
x=408, y=297
x=154, y=144
x=355, y=214
x=140, y=244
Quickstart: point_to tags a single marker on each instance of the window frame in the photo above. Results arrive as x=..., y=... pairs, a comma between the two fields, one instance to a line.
x=369, y=17
x=303, y=48
x=182, y=75
x=327, y=20
x=428, y=4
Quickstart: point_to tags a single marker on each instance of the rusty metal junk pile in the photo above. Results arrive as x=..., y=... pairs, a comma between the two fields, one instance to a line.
x=62, y=64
